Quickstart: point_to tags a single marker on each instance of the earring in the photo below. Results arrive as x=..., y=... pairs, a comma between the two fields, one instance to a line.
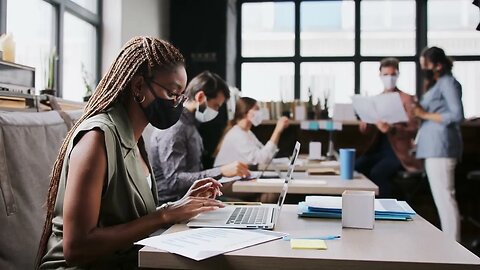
x=138, y=99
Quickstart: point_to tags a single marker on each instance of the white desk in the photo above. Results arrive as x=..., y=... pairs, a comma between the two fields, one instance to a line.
x=391, y=245
x=302, y=184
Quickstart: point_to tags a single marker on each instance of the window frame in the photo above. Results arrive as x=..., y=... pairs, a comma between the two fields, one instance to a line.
x=62, y=6
x=420, y=43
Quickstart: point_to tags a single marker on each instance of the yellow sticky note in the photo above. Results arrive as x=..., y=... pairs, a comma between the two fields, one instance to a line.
x=307, y=244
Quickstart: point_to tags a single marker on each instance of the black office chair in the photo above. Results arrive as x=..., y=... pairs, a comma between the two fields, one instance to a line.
x=408, y=184
x=473, y=215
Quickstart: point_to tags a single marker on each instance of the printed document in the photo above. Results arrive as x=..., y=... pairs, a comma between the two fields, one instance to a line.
x=385, y=108
x=203, y=243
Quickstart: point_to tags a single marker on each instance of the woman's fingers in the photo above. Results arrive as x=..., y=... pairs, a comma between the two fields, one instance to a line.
x=207, y=180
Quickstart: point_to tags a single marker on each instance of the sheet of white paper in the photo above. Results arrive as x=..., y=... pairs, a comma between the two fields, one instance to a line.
x=365, y=109
x=385, y=107
x=390, y=108
x=286, y=161
x=203, y=243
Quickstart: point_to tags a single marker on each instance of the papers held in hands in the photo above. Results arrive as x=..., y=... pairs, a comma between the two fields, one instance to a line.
x=385, y=108
x=203, y=243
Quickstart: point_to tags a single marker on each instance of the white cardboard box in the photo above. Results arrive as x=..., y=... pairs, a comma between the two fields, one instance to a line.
x=358, y=209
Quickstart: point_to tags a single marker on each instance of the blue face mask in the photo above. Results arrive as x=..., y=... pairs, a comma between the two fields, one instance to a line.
x=162, y=113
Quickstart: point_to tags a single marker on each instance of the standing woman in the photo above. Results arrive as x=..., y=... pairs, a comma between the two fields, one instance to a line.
x=101, y=197
x=439, y=140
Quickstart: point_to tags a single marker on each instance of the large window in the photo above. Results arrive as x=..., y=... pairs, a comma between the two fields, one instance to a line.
x=68, y=28
x=288, y=48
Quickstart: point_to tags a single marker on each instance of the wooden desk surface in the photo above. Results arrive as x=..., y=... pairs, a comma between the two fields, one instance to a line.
x=324, y=185
x=390, y=245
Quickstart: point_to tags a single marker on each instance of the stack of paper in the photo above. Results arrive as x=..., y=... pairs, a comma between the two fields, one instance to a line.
x=385, y=108
x=331, y=207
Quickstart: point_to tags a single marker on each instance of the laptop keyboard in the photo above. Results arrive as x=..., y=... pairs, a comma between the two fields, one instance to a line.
x=248, y=215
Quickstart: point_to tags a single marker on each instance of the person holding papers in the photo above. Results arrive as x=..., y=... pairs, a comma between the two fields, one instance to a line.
x=239, y=142
x=101, y=198
x=388, y=151
x=439, y=139
x=176, y=153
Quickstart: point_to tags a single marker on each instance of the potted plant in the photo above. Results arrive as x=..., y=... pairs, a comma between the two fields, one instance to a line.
x=324, y=108
x=87, y=83
x=310, y=109
x=50, y=73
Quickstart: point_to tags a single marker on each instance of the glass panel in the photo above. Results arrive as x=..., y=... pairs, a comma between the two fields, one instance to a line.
x=467, y=74
x=388, y=27
x=370, y=83
x=34, y=40
x=268, y=29
x=451, y=26
x=91, y=5
x=327, y=28
x=79, y=50
x=334, y=80
x=268, y=81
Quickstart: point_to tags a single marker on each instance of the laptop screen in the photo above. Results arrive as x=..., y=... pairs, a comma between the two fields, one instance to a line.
x=288, y=177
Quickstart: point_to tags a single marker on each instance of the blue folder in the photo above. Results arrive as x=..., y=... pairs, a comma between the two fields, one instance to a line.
x=305, y=211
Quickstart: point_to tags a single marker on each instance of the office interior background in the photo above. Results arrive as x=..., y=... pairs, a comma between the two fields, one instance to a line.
x=271, y=51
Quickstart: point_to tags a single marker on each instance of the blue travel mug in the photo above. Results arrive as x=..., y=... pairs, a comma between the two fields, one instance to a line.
x=347, y=163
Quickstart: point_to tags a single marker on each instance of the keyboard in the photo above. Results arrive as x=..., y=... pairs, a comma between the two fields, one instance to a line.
x=249, y=215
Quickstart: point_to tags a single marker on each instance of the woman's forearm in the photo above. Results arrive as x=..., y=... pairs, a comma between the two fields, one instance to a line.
x=275, y=138
x=436, y=117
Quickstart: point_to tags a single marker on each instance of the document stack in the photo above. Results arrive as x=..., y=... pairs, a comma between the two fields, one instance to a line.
x=331, y=207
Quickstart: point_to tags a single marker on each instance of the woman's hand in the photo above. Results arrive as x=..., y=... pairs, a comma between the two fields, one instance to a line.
x=207, y=188
x=188, y=207
x=282, y=124
x=235, y=169
x=419, y=111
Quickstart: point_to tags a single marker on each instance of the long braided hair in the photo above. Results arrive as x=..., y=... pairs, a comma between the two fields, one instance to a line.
x=140, y=54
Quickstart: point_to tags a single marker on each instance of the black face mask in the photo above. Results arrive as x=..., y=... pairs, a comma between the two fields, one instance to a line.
x=428, y=74
x=161, y=113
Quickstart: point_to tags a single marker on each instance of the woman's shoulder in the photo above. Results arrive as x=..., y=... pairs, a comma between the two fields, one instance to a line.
x=100, y=121
x=448, y=80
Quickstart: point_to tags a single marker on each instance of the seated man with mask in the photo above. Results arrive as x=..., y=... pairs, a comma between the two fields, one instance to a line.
x=388, y=151
x=176, y=152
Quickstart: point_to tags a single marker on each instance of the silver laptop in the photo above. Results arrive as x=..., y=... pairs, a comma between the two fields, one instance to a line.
x=250, y=216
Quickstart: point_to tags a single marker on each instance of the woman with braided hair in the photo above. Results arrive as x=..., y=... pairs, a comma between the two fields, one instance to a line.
x=101, y=198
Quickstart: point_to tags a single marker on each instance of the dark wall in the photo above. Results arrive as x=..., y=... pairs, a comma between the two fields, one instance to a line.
x=198, y=29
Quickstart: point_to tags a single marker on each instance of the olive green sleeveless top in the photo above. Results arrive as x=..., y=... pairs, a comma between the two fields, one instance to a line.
x=126, y=194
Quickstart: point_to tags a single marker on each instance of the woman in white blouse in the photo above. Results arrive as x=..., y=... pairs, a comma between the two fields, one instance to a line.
x=239, y=142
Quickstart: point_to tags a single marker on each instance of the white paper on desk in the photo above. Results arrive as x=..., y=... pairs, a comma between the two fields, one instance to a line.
x=203, y=243
x=286, y=161
x=385, y=107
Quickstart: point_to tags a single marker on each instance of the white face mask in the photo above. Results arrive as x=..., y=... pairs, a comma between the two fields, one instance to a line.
x=389, y=81
x=257, y=118
x=207, y=115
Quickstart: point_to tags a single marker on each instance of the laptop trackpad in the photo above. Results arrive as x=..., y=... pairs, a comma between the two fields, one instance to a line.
x=221, y=214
